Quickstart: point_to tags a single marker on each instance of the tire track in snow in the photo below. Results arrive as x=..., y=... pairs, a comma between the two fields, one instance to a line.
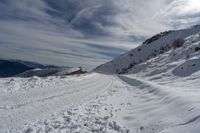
x=44, y=93
x=20, y=113
x=72, y=91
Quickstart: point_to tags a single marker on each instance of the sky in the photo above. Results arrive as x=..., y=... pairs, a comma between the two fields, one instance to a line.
x=86, y=33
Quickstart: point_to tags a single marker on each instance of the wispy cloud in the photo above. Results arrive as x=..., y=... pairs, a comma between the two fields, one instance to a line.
x=84, y=32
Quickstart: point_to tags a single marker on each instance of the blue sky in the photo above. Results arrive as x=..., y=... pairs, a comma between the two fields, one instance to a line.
x=86, y=32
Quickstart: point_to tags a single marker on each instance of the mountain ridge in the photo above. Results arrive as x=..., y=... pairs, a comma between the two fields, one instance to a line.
x=151, y=48
x=19, y=68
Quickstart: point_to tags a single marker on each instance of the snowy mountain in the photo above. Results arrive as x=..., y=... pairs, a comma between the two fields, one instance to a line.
x=9, y=68
x=19, y=68
x=151, y=89
x=13, y=67
x=151, y=48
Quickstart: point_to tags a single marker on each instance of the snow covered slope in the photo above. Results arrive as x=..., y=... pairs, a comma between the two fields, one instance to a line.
x=179, y=62
x=151, y=48
x=163, y=77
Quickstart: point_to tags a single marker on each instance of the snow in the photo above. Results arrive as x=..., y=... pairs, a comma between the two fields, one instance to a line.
x=22, y=106
x=118, y=104
x=145, y=51
x=158, y=95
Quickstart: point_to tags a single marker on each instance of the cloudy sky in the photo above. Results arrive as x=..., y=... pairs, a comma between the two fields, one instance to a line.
x=86, y=32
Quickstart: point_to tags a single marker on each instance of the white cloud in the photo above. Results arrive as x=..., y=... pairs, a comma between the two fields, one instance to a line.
x=38, y=43
x=86, y=33
x=145, y=18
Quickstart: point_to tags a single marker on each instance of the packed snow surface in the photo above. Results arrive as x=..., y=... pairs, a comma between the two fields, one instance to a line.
x=100, y=103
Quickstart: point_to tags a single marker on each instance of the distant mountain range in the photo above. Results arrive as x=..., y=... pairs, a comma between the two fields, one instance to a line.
x=13, y=67
x=10, y=68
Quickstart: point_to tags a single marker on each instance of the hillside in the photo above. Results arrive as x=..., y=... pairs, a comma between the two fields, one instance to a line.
x=19, y=68
x=163, y=81
x=151, y=48
x=180, y=61
x=13, y=67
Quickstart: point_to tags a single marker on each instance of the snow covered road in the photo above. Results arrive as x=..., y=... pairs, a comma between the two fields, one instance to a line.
x=97, y=103
x=23, y=107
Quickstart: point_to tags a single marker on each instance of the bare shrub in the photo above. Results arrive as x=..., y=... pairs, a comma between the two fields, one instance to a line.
x=178, y=43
